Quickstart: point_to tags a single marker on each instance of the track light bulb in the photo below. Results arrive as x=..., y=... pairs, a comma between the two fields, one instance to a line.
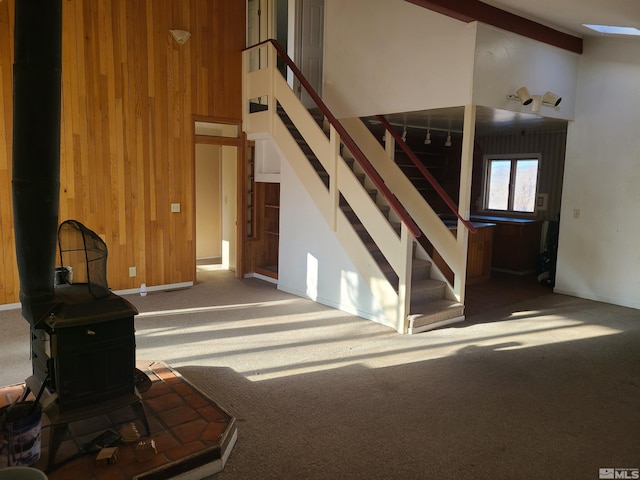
x=524, y=95
x=551, y=98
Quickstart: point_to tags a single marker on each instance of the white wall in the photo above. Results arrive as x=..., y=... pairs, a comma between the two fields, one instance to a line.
x=505, y=61
x=389, y=56
x=599, y=257
x=229, y=206
x=312, y=263
x=208, y=242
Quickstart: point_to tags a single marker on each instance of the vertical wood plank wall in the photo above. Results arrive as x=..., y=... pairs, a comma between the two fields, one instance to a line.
x=129, y=95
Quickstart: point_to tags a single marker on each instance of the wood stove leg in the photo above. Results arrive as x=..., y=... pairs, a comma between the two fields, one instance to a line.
x=56, y=436
x=138, y=409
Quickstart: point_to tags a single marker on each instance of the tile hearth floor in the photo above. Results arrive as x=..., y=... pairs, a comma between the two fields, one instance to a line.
x=193, y=435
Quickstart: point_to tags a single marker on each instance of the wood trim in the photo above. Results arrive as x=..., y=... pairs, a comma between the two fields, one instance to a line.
x=475, y=10
x=216, y=140
x=225, y=120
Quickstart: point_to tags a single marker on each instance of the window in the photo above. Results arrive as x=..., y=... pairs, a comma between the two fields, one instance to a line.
x=511, y=183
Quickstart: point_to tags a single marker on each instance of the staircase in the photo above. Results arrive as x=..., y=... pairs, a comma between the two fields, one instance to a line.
x=370, y=206
x=429, y=308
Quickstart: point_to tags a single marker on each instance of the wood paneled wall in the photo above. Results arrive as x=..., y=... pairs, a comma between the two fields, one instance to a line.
x=130, y=94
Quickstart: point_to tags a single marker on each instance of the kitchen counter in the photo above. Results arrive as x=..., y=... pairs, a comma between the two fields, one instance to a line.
x=479, y=252
x=516, y=243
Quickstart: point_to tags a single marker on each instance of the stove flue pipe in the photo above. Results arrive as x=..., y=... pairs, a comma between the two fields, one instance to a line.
x=36, y=149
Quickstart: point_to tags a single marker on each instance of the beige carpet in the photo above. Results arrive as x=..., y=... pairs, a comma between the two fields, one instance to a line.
x=548, y=389
x=545, y=389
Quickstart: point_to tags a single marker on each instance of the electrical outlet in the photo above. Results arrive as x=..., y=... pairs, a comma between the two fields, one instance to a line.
x=132, y=271
x=175, y=207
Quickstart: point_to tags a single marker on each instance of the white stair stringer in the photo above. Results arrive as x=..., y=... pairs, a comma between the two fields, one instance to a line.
x=361, y=258
x=433, y=302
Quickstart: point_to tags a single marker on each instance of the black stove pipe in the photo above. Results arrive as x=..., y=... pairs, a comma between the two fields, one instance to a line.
x=36, y=150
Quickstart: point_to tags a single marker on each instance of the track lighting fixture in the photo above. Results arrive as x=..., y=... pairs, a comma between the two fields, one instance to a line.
x=549, y=99
x=427, y=139
x=524, y=95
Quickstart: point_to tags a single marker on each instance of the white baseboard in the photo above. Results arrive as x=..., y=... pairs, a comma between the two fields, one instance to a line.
x=597, y=298
x=155, y=288
x=130, y=291
x=10, y=306
x=261, y=277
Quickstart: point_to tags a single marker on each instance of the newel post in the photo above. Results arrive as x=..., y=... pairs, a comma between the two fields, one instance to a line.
x=404, y=279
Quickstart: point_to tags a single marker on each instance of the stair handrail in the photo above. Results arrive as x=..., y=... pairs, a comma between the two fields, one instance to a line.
x=360, y=157
x=426, y=173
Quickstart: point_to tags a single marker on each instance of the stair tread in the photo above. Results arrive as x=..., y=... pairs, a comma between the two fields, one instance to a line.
x=426, y=284
x=428, y=308
x=419, y=262
x=434, y=314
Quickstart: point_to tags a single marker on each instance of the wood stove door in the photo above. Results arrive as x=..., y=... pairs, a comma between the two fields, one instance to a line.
x=93, y=362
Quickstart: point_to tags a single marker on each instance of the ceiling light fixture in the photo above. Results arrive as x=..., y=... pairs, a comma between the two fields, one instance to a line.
x=427, y=139
x=448, y=142
x=404, y=135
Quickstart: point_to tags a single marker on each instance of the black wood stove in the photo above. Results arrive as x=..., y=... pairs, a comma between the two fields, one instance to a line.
x=83, y=348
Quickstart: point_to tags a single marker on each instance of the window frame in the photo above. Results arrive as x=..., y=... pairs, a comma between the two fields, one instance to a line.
x=513, y=157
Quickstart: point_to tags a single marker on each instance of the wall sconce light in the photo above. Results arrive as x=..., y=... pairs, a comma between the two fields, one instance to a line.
x=427, y=139
x=448, y=142
x=180, y=36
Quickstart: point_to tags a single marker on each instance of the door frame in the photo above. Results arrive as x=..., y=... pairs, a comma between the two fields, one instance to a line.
x=241, y=143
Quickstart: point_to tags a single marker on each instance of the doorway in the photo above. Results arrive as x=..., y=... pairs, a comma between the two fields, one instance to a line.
x=217, y=160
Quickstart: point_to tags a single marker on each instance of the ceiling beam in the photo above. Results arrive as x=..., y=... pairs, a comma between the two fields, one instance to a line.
x=475, y=10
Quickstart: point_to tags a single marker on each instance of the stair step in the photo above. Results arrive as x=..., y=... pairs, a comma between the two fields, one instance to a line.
x=426, y=290
x=420, y=269
x=434, y=315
